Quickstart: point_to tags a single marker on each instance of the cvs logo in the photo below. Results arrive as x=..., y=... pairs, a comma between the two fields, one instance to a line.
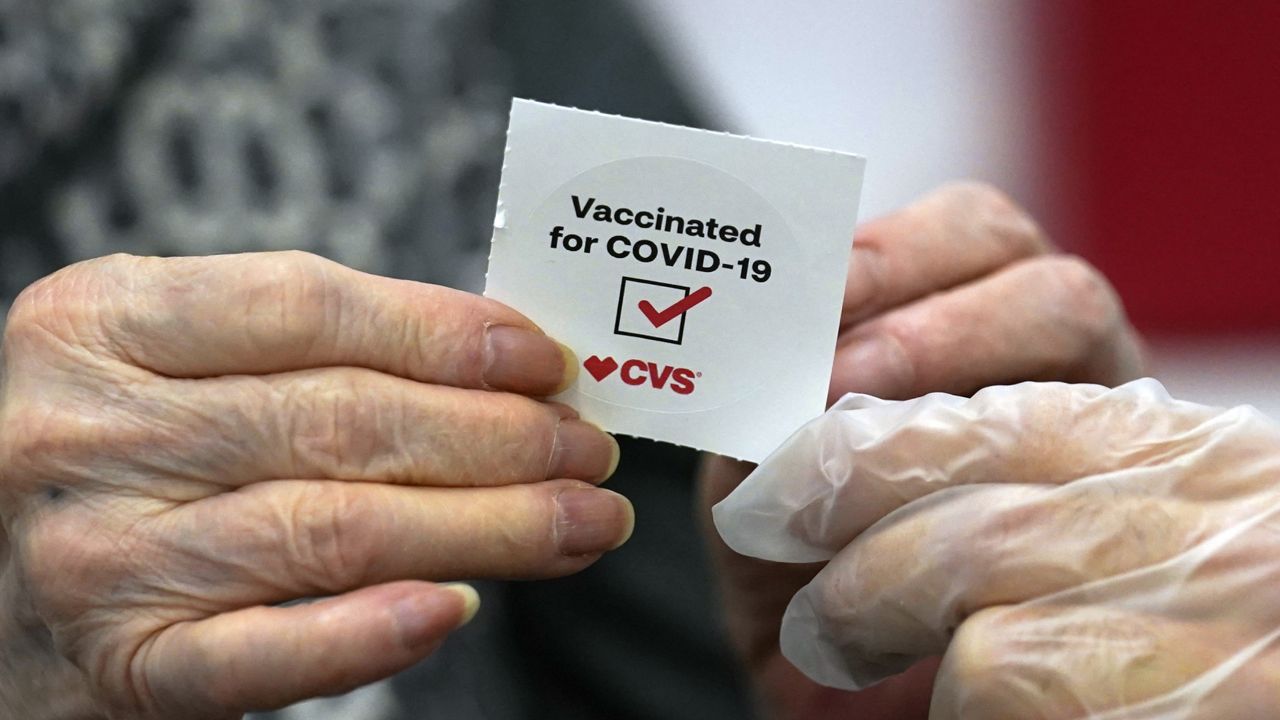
x=641, y=372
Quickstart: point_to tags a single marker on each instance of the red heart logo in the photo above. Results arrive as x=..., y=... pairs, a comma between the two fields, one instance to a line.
x=600, y=368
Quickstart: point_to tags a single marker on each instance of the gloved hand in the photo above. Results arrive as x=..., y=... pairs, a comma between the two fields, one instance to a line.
x=952, y=293
x=1071, y=551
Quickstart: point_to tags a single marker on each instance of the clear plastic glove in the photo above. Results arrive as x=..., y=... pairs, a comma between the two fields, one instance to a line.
x=1072, y=551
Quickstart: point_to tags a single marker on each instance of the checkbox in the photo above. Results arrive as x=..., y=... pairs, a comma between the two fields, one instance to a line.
x=630, y=321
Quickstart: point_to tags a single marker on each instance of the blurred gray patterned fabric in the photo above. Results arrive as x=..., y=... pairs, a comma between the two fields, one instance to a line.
x=57, y=60
x=346, y=127
x=371, y=132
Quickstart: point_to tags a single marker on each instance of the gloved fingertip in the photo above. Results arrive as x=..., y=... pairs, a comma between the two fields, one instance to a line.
x=754, y=534
x=804, y=645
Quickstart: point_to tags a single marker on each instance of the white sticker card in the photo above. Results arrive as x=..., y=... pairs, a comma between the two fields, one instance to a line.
x=698, y=276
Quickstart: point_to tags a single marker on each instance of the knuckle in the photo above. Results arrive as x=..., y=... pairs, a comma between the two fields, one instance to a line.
x=25, y=439
x=456, y=321
x=976, y=653
x=983, y=194
x=65, y=557
x=419, y=337
x=533, y=429
x=1000, y=217
x=39, y=439
x=903, y=330
x=535, y=545
x=332, y=532
x=833, y=596
x=329, y=420
x=205, y=657
x=54, y=440
x=294, y=271
x=849, y=609
x=906, y=338
x=1083, y=295
x=65, y=307
x=519, y=533
x=984, y=197
x=289, y=295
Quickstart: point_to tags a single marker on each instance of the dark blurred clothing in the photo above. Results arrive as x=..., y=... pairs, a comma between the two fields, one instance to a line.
x=370, y=132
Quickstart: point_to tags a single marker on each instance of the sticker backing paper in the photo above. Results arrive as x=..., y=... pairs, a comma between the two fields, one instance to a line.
x=698, y=276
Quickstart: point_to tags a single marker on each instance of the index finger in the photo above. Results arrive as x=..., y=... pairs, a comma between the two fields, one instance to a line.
x=274, y=312
x=865, y=458
x=951, y=236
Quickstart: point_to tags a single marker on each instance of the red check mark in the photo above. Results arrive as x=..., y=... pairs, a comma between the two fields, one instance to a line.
x=683, y=305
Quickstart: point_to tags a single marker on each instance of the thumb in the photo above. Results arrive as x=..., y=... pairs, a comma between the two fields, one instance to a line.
x=268, y=657
x=1102, y=663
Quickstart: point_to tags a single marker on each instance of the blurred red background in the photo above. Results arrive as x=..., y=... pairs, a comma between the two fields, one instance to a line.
x=1163, y=128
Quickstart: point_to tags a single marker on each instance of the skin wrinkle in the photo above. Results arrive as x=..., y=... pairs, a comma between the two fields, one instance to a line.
x=512, y=537
x=868, y=260
x=268, y=578
x=15, y=586
x=330, y=302
x=73, y=359
x=401, y=454
x=314, y=418
x=48, y=430
x=555, y=529
x=554, y=450
x=486, y=356
x=152, y=526
x=417, y=339
x=472, y=364
x=897, y=337
x=44, y=568
x=113, y=320
x=1085, y=302
x=217, y=443
x=127, y=472
x=164, y=588
x=137, y=661
x=75, y=301
x=319, y=544
x=126, y=665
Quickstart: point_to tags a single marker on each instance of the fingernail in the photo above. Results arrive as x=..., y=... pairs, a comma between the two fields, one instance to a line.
x=583, y=452
x=570, y=368
x=418, y=616
x=591, y=521
x=526, y=361
x=874, y=365
x=470, y=600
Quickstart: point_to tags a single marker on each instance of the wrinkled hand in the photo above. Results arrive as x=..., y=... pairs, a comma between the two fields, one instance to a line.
x=956, y=292
x=1077, y=552
x=187, y=443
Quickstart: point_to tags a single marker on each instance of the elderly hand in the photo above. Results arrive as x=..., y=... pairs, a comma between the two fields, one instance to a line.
x=185, y=444
x=1076, y=552
x=956, y=292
